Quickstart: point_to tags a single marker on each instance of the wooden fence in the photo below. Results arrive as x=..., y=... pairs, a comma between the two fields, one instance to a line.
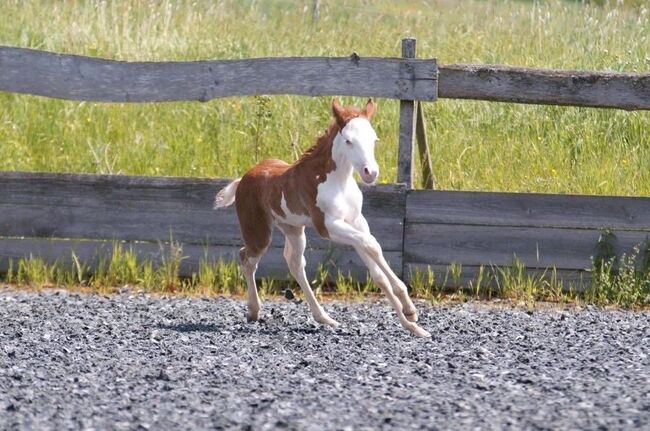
x=541, y=230
x=49, y=215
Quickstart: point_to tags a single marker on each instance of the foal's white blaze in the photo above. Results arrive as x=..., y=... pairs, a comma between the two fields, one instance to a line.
x=353, y=149
x=355, y=144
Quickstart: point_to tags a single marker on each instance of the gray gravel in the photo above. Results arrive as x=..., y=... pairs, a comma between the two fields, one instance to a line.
x=134, y=361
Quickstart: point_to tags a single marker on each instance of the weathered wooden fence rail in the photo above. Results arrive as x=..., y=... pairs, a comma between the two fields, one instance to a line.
x=498, y=83
x=541, y=230
x=94, y=79
x=50, y=215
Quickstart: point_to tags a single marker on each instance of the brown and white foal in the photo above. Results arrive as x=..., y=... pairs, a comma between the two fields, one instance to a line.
x=319, y=191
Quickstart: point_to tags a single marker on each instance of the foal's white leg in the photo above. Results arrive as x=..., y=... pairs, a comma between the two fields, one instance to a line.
x=294, y=248
x=381, y=280
x=249, y=266
x=398, y=286
x=369, y=249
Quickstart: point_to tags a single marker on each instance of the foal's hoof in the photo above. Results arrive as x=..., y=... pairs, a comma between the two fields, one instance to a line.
x=326, y=320
x=412, y=316
x=420, y=332
x=252, y=317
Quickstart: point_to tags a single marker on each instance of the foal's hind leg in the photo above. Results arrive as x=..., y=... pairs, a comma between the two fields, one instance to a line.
x=257, y=237
x=249, y=266
x=256, y=228
x=294, y=249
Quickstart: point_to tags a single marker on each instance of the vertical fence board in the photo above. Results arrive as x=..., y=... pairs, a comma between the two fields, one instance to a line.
x=423, y=149
x=406, y=128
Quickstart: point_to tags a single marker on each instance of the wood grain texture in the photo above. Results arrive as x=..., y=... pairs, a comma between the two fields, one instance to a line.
x=153, y=209
x=405, y=151
x=545, y=86
x=442, y=244
x=528, y=209
x=271, y=265
x=423, y=149
x=93, y=79
x=470, y=228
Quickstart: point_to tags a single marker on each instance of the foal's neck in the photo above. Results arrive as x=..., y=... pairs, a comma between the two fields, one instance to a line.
x=343, y=171
x=322, y=161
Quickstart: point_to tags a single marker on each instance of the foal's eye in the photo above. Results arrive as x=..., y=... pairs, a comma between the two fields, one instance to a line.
x=349, y=142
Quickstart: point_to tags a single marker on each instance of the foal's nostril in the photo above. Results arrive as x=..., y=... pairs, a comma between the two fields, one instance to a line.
x=366, y=171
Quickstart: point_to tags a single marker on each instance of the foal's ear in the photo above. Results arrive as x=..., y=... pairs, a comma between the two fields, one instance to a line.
x=369, y=110
x=339, y=113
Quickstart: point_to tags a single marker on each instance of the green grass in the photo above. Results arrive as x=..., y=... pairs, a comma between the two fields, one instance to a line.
x=475, y=145
x=621, y=282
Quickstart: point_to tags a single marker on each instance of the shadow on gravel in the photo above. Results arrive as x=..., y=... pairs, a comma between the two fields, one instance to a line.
x=190, y=327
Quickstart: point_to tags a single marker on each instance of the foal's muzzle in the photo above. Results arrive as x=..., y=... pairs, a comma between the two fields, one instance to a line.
x=369, y=175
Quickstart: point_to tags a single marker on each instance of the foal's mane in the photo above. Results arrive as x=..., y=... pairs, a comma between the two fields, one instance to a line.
x=323, y=145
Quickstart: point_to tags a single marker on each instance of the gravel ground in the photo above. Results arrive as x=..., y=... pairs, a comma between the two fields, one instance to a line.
x=134, y=361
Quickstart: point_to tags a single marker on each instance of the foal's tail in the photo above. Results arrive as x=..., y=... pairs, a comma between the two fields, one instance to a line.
x=226, y=196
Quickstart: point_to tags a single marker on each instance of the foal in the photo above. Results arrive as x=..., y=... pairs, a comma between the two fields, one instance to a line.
x=318, y=191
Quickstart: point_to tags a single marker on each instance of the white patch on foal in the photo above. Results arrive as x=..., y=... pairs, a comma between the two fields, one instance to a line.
x=355, y=145
x=353, y=149
x=291, y=218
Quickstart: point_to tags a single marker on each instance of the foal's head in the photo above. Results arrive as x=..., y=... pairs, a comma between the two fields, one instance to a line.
x=355, y=142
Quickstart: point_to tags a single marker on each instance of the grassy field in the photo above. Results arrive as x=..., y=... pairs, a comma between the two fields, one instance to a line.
x=475, y=145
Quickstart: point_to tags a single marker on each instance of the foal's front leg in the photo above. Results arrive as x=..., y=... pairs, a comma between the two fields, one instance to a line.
x=294, y=250
x=398, y=286
x=370, y=252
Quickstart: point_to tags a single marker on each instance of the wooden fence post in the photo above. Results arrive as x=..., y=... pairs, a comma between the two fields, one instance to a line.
x=406, y=127
x=423, y=149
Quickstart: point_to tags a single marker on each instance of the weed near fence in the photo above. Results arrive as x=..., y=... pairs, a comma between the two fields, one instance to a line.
x=626, y=284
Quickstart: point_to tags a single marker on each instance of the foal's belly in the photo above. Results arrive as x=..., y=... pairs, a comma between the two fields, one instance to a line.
x=289, y=217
